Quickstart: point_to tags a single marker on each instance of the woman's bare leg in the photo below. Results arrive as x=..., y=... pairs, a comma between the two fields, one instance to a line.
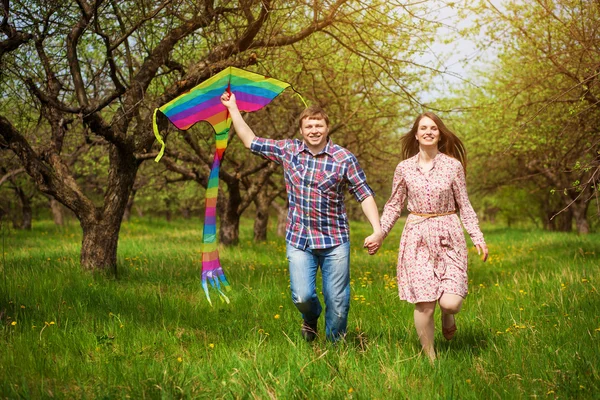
x=425, y=327
x=450, y=304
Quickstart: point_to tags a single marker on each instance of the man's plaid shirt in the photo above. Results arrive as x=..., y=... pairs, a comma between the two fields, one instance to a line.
x=315, y=187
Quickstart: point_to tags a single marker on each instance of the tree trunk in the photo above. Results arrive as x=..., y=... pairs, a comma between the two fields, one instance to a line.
x=99, y=245
x=261, y=221
x=281, y=218
x=580, y=216
x=57, y=212
x=27, y=216
x=101, y=227
x=26, y=210
x=229, y=231
x=562, y=222
x=127, y=213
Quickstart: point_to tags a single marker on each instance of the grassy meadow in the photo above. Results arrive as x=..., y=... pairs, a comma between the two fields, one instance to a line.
x=530, y=327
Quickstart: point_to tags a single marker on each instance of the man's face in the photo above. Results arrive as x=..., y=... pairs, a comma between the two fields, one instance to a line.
x=314, y=133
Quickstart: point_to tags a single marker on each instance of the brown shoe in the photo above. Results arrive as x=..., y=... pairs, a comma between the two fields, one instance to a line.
x=309, y=331
x=450, y=331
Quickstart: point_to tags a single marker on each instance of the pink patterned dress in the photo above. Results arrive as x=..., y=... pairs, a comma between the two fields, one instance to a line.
x=433, y=252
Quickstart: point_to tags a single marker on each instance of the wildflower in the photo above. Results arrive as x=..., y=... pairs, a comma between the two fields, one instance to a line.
x=276, y=316
x=179, y=359
x=468, y=381
x=350, y=391
x=597, y=330
x=211, y=345
x=13, y=323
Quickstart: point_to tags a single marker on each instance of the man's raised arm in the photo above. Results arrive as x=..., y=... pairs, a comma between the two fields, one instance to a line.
x=242, y=129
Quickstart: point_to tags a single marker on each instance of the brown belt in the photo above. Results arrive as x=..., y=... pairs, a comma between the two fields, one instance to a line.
x=433, y=215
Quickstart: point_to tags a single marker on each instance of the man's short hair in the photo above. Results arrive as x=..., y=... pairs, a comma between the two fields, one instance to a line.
x=313, y=112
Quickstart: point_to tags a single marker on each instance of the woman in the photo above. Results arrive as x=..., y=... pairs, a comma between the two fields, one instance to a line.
x=432, y=260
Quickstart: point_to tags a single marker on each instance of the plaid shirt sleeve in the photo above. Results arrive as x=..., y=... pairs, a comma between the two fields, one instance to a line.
x=271, y=149
x=358, y=181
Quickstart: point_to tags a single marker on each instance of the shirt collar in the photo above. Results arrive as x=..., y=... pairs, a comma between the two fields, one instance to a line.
x=328, y=149
x=435, y=159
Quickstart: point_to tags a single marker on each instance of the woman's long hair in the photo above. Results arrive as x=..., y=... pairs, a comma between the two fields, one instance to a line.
x=449, y=143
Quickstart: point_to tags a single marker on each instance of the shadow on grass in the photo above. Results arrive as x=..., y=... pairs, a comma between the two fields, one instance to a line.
x=466, y=341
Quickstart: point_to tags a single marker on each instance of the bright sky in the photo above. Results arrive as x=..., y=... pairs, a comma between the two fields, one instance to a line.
x=461, y=54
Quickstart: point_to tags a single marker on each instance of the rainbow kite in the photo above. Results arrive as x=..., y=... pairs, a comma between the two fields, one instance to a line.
x=203, y=103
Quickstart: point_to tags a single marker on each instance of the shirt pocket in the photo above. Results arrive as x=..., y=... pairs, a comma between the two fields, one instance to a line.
x=328, y=182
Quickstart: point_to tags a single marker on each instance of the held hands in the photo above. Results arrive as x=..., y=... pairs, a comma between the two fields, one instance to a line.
x=373, y=242
x=482, y=250
x=228, y=100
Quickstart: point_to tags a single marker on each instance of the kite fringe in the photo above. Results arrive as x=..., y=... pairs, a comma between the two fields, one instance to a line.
x=214, y=282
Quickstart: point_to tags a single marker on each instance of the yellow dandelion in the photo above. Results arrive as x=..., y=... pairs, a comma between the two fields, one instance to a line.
x=276, y=316
x=179, y=359
x=350, y=390
x=13, y=323
x=211, y=345
x=597, y=329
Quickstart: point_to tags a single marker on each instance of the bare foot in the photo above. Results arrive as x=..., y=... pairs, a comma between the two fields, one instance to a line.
x=430, y=353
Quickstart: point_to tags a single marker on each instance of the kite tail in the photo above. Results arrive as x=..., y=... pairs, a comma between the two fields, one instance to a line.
x=211, y=265
x=158, y=137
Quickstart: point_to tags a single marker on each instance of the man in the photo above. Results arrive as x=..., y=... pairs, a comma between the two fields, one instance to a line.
x=317, y=233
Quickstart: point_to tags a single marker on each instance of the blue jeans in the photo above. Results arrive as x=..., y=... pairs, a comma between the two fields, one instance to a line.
x=335, y=268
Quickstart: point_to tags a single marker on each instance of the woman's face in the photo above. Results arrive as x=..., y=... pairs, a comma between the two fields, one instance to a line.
x=427, y=134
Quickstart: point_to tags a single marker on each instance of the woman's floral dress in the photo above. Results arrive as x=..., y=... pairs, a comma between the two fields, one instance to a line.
x=433, y=252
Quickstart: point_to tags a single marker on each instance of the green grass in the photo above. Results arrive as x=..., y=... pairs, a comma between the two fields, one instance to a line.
x=530, y=326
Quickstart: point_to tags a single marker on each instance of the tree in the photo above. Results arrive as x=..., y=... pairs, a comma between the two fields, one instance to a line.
x=539, y=106
x=121, y=60
x=356, y=69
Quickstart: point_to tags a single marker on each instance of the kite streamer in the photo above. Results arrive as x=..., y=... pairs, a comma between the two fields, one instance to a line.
x=203, y=103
